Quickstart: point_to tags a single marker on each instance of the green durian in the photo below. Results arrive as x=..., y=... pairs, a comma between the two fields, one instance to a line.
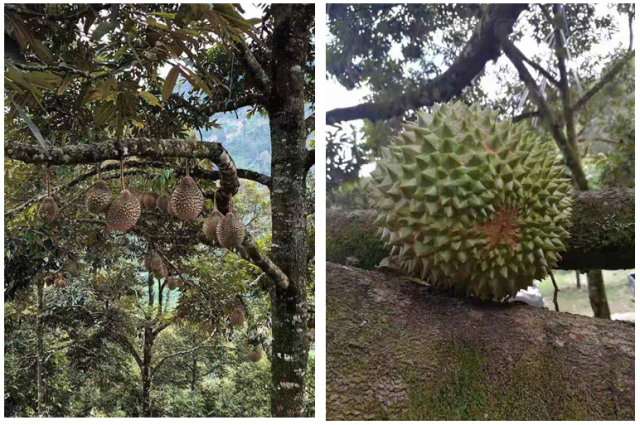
x=471, y=202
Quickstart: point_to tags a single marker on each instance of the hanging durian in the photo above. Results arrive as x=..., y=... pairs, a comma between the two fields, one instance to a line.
x=98, y=198
x=209, y=227
x=124, y=211
x=237, y=316
x=472, y=202
x=255, y=354
x=48, y=210
x=230, y=231
x=163, y=203
x=187, y=200
x=149, y=200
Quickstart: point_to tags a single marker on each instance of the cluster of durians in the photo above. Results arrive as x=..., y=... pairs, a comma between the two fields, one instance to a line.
x=56, y=279
x=154, y=264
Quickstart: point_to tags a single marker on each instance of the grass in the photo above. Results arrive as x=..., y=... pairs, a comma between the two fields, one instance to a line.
x=574, y=300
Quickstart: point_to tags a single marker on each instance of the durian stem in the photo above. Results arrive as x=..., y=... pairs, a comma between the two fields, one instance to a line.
x=99, y=172
x=215, y=203
x=187, y=162
x=122, y=173
x=230, y=203
x=49, y=182
x=555, y=292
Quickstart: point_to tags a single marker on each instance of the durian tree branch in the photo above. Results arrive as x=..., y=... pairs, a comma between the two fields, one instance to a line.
x=571, y=157
x=604, y=80
x=602, y=233
x=255, y=70
x=140, y=147
x=401, y=350
x=482, y=47
x=197, y=173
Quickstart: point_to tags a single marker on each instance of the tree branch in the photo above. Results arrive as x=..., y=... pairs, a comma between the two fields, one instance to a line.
x=606, y=78
x=254, y=68
x=140, y=147
x=310, y=160
x=572, y=159
x=482, y=47
x=602, y=233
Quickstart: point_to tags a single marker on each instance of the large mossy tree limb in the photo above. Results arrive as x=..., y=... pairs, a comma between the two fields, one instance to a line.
x=602, y=234
x=397, y=349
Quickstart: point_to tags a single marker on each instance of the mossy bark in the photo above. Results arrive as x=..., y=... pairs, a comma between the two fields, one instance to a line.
x=602, y=233
x=397, y=349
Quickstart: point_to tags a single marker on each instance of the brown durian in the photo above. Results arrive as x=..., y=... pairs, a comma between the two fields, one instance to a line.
x=149, y=200
x=163, y=203
x=230, y=231
x=210, y=225
x=98, y=198
x=237, y=317
x=174, y=283
x=124, y=212
x=161, y=273
x=255, y=354
x=61, y=282
x=187, y=200
x=49, y=279
x=155, y=261
x=48, y=210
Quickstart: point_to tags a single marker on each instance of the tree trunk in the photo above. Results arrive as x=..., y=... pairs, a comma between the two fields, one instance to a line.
x=578, y=278
x=147, y=371
x=397, y=349
x=598, y=294
x=194, y=372
x=289, y=235
x=40, y=345
x=602, y=233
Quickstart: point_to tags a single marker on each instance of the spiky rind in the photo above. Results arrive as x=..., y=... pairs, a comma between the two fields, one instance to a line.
x=230, y=231
x=98, y=198
x=471, y=202
x=237, y=317
x=187, y=200
x=210, y=225
x=123, y=212
x=48, y=210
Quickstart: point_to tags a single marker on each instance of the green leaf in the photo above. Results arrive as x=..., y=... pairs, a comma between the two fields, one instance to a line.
x=170, y=82
x=151, y=99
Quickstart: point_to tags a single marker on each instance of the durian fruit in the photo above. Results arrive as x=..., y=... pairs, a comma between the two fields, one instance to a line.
x=61, y=282
x=255, y=354
x=48, y=210
x=124, y=212
x=49, y=279
x=187, y=200
x=170, y=208
x=155, y=261
x=471, y=202
x=160, y=273
x=237, y=317
x=98, y=198
x=173, y=283
x=163, y=203
x=209, y=227
x=149, y=200
x=230, y=231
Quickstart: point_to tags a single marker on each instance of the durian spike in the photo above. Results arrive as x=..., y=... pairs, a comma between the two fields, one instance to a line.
x=122, y=173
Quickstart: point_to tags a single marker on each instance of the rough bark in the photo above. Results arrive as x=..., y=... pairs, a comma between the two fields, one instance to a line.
x=483, y=46
x=289, y=235
x=602, y=234
x=598, y=294
x=400, y=350
x=147, y=372
x=40, y=345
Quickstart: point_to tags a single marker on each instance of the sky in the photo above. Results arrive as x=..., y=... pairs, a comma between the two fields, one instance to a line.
x=340, y=97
